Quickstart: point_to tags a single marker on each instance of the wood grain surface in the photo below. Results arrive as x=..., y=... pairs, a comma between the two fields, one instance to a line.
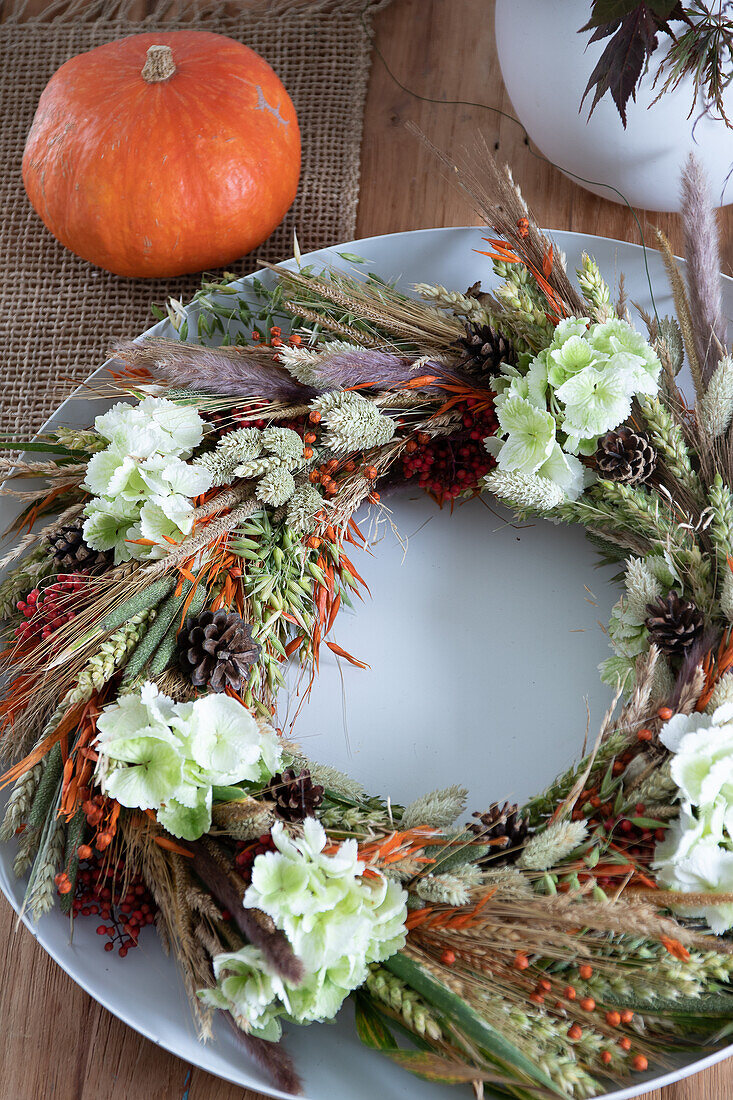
x=55, y=1042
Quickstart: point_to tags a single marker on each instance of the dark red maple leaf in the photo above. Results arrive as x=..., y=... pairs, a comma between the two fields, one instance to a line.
x=633, y=29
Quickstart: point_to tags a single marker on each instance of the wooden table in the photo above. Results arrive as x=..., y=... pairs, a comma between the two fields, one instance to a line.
x=55, y=1042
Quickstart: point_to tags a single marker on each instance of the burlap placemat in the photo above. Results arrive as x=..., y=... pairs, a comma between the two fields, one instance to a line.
x=58, y=314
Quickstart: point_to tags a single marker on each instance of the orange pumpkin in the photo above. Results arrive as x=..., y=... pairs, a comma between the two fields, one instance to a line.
x=161, y=154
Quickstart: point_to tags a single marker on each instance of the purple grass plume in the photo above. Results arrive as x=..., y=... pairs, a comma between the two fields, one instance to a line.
x=272, y=1058
x=234, y=372
x=702, y=253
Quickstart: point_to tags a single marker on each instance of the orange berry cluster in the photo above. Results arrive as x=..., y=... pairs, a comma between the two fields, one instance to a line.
x=323, y=475
x=613, y=1018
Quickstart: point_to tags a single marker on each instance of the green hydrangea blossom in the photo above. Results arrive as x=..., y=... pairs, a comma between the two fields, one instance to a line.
x=155, y=754
x=557, y=405
x=337, y=922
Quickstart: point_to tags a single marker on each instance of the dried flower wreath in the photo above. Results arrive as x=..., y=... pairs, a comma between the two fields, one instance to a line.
x=179, y=553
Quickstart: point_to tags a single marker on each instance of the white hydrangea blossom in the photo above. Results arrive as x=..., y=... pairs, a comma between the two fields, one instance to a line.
x=155, y=754
x=336, y=920
x=696, y=856
x=571, y=393
x=140, y=484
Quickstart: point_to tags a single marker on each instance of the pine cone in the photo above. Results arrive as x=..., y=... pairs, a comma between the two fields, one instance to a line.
x=295, y=794
x=504, y=826
x=674, y=624
x=626, y=455
x=72, y=555
x=216, y=650
x=484, y=348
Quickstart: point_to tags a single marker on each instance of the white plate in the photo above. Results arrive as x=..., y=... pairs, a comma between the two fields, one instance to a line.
x=483, y=641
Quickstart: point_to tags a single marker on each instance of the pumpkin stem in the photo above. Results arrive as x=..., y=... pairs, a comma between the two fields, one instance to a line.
x=159, y=64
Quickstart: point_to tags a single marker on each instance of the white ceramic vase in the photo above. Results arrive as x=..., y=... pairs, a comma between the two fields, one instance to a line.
x=546, y=65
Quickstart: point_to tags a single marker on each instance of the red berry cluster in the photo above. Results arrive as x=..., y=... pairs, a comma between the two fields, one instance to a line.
x=227, y=420
x=247, y=852
x=448, y=465
x=47, y=609
x=99, y=893
x=631, y=840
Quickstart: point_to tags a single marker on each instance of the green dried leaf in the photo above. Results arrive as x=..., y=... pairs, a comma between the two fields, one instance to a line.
x=496, y=1046
x=370, y=1027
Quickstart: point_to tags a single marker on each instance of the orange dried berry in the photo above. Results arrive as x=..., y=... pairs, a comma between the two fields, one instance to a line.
x=410, y=446
x=588, y=1004
x=644, y=735
x=523, y=227
x=640, y=1063
x=84, y=851
x=65, y=886
x=375, y=497
x=307, y=452
x=314, y=477
x=665, y=713
x=521, y=962
x=606, y=1057
x=59, y=878
x=313, y=541
x=575, y=1032
x=448, y=957
x=627, y=1016
x=423, y=437
x=103, y=841
x=537, y=998
x=309, y=437
x=625, y=1043
x=294, y=339
x=332, y=464
x=314, y=417
x=350, y=466
x=613, y=1019
x=569, y=993
x=618, y=767
x=544, y=985
x=586, y=972
x=370, y=472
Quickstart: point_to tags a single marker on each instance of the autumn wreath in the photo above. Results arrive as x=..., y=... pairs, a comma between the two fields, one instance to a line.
x=196, y=541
